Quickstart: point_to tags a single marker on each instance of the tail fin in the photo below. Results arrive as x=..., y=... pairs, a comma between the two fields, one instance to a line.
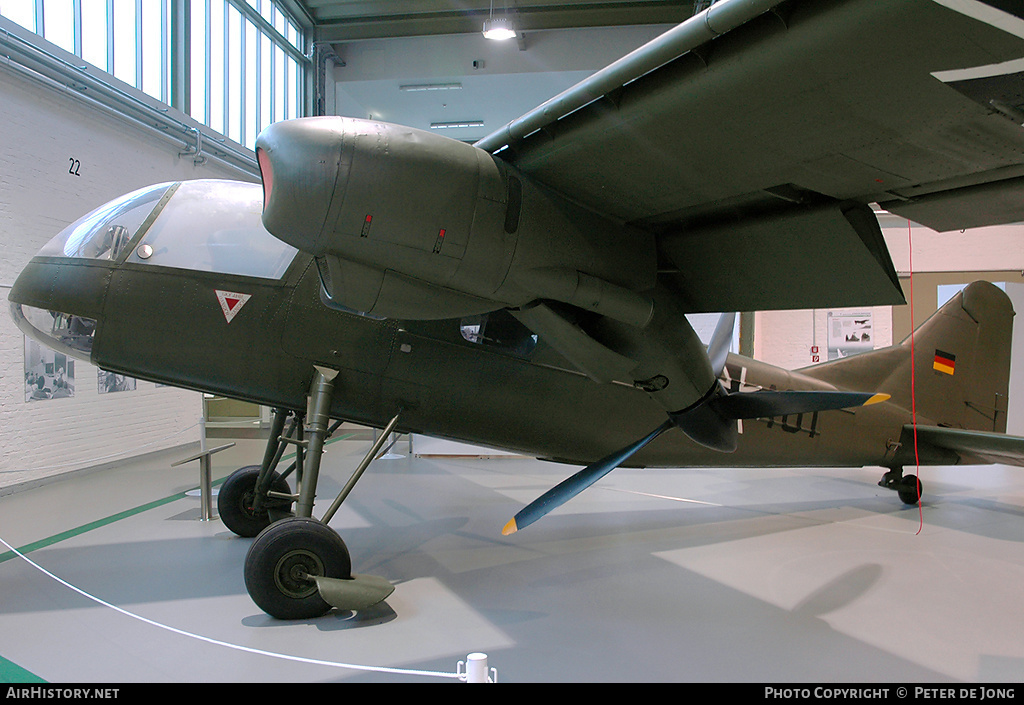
x=961, y=363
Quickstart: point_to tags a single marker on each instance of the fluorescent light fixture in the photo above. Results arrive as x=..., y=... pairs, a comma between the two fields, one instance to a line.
x=499, y=28
x=416, y=87
x=454, y=125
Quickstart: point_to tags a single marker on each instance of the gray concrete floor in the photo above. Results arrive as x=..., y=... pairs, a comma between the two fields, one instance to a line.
x=652, y=575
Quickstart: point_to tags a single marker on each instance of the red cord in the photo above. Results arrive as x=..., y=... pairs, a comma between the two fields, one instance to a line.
x=913, y=380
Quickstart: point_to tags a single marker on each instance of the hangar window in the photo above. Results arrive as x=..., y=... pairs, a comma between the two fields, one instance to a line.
x=246, y=68
x=242, y=61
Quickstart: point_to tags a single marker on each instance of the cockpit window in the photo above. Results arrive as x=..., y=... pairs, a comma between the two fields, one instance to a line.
x=104, y=233
x=214, y=226
x=499, y=330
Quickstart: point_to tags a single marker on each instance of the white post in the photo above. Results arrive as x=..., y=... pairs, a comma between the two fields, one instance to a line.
x=476, y=668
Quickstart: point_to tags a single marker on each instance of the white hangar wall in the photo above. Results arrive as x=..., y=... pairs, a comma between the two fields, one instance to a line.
x=995, y=254
x=48, y=134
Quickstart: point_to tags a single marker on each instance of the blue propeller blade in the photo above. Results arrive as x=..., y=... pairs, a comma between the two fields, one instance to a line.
x=572, y=486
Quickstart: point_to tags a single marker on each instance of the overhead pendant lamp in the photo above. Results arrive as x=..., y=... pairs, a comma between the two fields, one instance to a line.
x=498, y=27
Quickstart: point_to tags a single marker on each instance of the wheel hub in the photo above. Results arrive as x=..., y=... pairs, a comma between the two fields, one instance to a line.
x=294, y=571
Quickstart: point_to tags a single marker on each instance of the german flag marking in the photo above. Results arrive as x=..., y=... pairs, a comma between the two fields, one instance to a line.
x=944, y=362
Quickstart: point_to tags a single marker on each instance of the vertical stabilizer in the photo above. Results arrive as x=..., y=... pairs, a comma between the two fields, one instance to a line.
x=963, y=360
x=962, y=363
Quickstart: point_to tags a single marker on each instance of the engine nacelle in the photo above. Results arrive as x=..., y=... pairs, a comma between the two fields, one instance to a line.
x=406, y=223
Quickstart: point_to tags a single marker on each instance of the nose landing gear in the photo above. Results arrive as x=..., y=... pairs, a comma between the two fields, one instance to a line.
x=298, y=567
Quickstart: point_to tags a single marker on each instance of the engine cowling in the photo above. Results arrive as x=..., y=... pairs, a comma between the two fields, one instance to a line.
x=409, y=224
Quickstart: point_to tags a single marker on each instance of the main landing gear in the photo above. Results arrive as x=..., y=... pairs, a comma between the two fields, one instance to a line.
x=298, y=567
x=907, y=486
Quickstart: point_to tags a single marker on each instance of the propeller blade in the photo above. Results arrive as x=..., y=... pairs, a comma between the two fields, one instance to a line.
x=762, y=404
x=572, y=486
x=721, y=341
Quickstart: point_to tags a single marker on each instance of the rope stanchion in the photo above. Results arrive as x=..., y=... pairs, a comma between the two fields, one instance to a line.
x=476, y=670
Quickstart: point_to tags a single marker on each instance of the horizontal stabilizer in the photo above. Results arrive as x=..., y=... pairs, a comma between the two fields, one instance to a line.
x=983, y=445
x=764, y=404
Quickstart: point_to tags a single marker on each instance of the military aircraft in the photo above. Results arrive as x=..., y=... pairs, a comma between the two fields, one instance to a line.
x=529, y=291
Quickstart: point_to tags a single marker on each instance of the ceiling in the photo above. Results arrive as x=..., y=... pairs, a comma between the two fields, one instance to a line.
x=381, y=46
x=467, y=82
x=348, y=20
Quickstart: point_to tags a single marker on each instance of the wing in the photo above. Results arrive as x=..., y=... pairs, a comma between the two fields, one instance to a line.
x=970, y=445
x=753, y=137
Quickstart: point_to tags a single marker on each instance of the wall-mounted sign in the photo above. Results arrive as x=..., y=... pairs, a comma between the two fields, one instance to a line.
x=849, y=333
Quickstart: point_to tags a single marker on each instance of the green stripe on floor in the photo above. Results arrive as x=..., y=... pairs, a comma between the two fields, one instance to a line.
x=11, y=672
x=70, y=533
x=77, y=531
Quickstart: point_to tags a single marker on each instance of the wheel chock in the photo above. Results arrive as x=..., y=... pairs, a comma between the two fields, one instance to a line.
x=355, y=593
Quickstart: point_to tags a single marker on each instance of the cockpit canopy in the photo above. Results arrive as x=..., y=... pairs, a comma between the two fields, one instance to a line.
x=105, y=232
x=203, y=225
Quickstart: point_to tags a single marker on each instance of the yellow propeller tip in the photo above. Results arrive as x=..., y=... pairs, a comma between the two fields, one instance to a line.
x=878, y=398
x=510, y=528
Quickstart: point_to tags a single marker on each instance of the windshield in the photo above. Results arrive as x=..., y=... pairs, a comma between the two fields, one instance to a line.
x=214, y=226
x=105, y=232
x=71, y=335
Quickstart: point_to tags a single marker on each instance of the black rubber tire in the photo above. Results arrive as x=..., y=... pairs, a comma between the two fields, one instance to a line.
x=280, y=559
x=910, y=489
x=234, y=501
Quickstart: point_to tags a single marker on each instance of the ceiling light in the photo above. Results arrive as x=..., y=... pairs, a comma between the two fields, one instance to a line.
x=453, y=125
x=415, y=87
x=499, y=28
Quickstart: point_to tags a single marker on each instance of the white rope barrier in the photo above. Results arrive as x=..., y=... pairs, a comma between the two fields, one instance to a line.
x=236, y=647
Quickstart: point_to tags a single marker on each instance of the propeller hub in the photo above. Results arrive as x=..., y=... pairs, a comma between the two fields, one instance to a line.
x=703, y=424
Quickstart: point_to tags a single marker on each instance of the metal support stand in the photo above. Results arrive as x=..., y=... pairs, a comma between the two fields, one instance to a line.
x=205, y=477
x=389, y=455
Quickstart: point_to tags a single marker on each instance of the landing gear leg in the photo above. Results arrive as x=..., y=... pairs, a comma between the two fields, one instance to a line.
x=244, y=504
x=320, y=398
x=299, y=567
x=908, y=487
